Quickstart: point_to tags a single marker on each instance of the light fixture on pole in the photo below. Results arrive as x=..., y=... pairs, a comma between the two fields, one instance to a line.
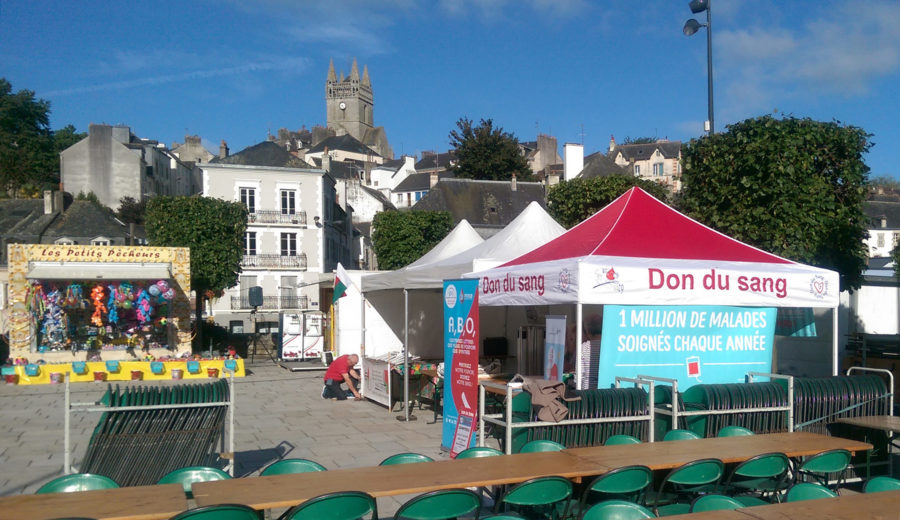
x=692, y=26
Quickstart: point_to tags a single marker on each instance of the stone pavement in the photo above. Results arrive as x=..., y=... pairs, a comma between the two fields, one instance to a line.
x=278, y=413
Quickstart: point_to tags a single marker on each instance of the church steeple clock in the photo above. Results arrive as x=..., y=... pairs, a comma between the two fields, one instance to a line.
x=349, y=101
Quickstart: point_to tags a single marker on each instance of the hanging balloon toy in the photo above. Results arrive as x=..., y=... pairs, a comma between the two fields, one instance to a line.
x=144, y=310
x=113, y=316
x=99, y=307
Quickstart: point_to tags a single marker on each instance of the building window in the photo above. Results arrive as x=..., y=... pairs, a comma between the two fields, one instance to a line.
x=637, y=170
x=250, y=243
x=880, y=239
x=64, y=242
x=288, y=204
x=248, y=199
x=288, y=286
x=289, y=244
x=236, y=326
x=100, y=241
x=658, y=169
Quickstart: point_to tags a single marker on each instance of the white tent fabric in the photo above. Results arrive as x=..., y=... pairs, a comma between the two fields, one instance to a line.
x=532, y=228
x=460, y=238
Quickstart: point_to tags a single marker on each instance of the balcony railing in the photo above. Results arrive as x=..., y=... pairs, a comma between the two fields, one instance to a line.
x=272, y=302
x=275, y=261
x=277, y=217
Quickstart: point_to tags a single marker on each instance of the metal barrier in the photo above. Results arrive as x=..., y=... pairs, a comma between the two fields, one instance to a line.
x=146, y=432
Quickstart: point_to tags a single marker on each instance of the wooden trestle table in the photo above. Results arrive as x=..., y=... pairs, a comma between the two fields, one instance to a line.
x=125, y=503
x=855, y=506
x=288, y=490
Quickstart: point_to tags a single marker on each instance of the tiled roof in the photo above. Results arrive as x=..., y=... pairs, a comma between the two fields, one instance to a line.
x=599, y=165
x=643, y=152
x=345, y=143
x=875, y=210
x=482, y=203
x=430, y=161
x=266, y=153
x=420, y=181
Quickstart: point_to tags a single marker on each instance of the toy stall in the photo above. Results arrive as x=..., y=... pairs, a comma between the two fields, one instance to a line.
x=102, y=313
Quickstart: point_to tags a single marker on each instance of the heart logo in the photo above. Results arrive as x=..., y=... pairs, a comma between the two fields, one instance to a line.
x=611, y=274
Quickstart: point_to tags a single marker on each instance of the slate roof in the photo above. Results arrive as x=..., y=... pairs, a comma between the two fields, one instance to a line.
x=393, y=164
x=482, y=203
x=345, y=143
x=85, y=219
x=23, y=220
x=599, y=165
x=643, y=152
x=345, y=169
x=430, y=161
x=875, y=210
x=266, y=153
x=420, y=181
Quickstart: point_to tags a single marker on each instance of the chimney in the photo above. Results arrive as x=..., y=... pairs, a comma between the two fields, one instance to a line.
x=552, y=179
x=223, y=149
x=432, y=179
x=48, y=202
x=612, y=143
x=573, y=160
x=326, y=160
x=512, y=182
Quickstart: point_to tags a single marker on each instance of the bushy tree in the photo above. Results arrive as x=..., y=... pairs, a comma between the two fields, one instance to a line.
x=212, y=228
x=26, y=144
x=572, y=201
x=131, y=211
x=794, y=187
x=401, y=237
x=486, y=152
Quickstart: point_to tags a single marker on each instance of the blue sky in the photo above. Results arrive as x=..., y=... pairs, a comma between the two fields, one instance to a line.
x=575, y=69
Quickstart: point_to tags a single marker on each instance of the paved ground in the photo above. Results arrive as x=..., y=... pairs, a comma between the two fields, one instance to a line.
x=278, y=414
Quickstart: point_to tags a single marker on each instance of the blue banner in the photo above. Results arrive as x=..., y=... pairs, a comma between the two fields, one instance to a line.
x=461, y=333
x=692, y=344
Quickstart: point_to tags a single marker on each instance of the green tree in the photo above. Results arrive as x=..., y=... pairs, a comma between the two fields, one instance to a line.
x=131, y=211
x=883, y=182
x=639, y=140
x=214, y=231
x=487, y=153
x=26, y=145
x=794, y=187
x=570, y=202
x=401, y=237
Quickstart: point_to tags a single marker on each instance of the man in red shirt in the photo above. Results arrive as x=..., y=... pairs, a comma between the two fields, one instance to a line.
x=341, y=371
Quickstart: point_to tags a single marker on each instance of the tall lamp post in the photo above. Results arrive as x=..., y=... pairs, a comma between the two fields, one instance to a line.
x=692, y=26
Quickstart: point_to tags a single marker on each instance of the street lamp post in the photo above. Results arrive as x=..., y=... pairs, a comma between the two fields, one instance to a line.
x=692, y=26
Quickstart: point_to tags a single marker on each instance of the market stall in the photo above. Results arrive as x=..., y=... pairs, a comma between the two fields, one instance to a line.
x=102, y=313
x=420, y=287
x=639, y=251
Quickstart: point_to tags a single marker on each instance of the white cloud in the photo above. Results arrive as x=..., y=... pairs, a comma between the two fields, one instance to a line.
x=837, y=52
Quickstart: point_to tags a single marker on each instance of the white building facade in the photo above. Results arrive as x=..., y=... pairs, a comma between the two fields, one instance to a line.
x=296, y=235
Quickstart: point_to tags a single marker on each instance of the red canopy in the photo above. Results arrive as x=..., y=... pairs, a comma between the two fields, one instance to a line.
x=638, y=225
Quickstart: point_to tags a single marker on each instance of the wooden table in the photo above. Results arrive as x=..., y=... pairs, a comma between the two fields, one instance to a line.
x=289, y=490
x=671, y=454
x=857, y=506
x=888, y=423
x=127, y=503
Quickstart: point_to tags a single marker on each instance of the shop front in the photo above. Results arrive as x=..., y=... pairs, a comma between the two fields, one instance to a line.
x=102, y=313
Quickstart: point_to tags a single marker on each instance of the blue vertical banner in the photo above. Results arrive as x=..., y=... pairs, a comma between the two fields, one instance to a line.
x=691, y=344
x=554, y=347
x=461, y=339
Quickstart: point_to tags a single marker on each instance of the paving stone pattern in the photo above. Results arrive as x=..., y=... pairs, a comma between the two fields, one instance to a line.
x=278, y=413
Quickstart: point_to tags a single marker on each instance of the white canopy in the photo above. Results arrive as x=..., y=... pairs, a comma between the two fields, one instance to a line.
x=532, y=228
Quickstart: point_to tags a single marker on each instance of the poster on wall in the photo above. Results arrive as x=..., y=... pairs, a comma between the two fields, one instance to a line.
x=691, y=344
x=460, y=364
x=554, y=347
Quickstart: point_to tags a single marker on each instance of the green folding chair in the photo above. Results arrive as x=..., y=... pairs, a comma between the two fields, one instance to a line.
x=219, y=512
x=759, y=480
x=821, y=466
x=341, y=505
x=477, y=452
x=440, y=505
x=808, y=491
x=734, y=431
x=878, y=484
x=77, y=482
x=187, y=476
x=288, y=466
x=539, y=445
x=684, y=483
x=680, y=435
x=617, y=510
x=628, y=483
x=544, y=495
x=618, y=440
x=714, y=502
x=405, y=458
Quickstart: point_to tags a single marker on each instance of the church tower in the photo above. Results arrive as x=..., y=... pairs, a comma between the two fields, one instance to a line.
x=349, y=102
